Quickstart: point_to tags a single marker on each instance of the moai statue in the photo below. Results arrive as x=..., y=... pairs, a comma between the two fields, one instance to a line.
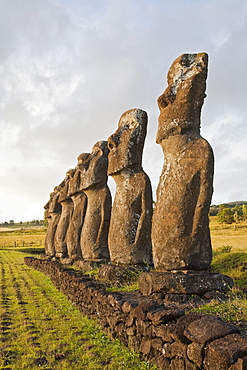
x=79, y=199
x=130, y=227
x=67, y=210
x=180, y=231
x=93, y=182
x=53, y=211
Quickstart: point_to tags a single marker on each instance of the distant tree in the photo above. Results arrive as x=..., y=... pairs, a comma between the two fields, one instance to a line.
x=20, y=222
x=11, y=222
x=6, y=223
x=244, y=211
x=238, y=214
x=225, y=215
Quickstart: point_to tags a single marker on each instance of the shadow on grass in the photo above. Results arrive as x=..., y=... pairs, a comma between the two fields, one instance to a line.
x=30, y=250
x=233, y=265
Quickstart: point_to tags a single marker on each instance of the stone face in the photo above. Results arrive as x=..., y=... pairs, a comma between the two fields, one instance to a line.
x=130, y=226
x=183, y=283
x=93, y=182
x=63, y=223
x=79, y=199
x=180, y=231
x=53, y=211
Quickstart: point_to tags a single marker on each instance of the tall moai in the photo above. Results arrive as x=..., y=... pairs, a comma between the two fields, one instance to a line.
x=64, y=220
x=53, y=211
x=79, y=199
x=130, y=227
x=93, y=182
x=180, y=230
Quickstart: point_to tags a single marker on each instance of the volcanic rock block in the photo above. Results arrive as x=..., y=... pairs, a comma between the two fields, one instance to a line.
x=180, y=230
x=53, y=211
x=209, y=328
x=222, y=353
x=79, y=199
x=64, y=220
x=183, y=283
x=93, y=182
x=130, y=226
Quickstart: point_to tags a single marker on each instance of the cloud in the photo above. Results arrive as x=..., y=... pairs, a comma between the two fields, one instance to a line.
x=69, y=69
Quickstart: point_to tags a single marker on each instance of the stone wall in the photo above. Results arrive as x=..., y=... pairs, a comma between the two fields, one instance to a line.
x=163, y=334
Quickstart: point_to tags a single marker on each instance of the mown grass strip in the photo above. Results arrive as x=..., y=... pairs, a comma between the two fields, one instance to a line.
x=40, y=329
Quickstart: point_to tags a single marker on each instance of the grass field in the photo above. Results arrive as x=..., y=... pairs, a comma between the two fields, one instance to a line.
x=234, y=235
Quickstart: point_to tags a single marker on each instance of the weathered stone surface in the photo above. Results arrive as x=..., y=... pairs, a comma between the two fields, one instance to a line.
x=130, y=226
x=176, y=331
x=195, y=353
x=177, y=364
x=79, y=210
x=140, y=311
x=222, y=353
x=162, y=362
x=163, y=332
x=157, y=343
x=144, y=328
x=180, y=231
x=209, y=328
x=53, y=211
x=190, y=365
x=240, y=364
x=178, y=349
x=180, y=282
x=63, y=223
x=145, y=346
x=93, y=182
x=164, y=316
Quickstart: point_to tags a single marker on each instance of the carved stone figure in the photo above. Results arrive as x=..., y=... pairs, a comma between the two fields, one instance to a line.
x=180, y=231
x=79, y=199
x=53, y=211
x=130, y=226
x=93, y=182
x=67, y=210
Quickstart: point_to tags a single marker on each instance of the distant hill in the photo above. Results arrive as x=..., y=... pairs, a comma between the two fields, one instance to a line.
x=214, y=209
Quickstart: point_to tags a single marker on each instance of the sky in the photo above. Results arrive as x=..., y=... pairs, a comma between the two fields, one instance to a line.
x=70, y=68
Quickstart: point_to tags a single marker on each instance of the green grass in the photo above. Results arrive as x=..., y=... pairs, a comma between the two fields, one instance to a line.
x=40, y=328
x=233, y=309
x=233, y=265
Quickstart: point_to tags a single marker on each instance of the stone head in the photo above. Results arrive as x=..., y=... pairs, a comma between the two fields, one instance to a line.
x=74, y=183
x=126, y=144
x=180, y=104
x=63, y=193
x=69, y=174
x=81, y=159
x=94, y=167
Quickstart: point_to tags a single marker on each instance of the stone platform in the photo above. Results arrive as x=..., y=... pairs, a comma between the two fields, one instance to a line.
x=183, y=282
